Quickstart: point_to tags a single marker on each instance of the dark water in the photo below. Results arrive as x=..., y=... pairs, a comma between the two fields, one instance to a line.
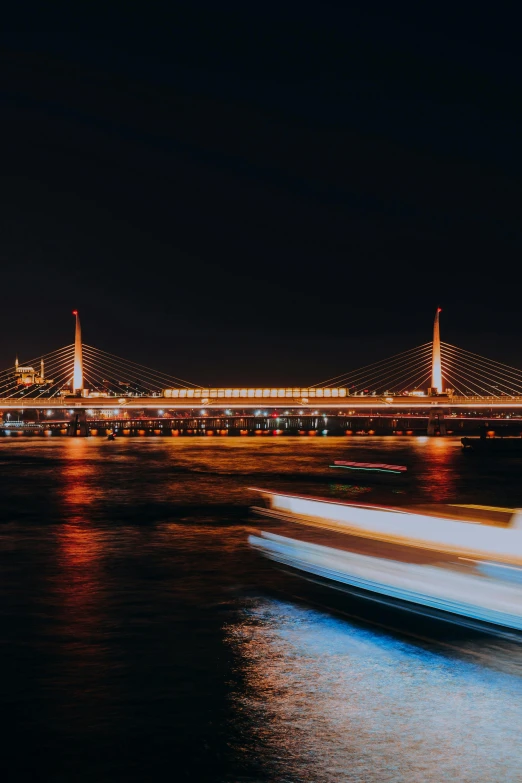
x=141, y=639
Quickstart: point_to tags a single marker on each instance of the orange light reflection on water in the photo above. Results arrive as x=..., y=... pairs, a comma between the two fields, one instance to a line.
x=77, y=485
x=80, y=551
x=440, y=476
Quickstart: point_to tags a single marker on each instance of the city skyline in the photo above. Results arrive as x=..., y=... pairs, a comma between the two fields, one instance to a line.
x=434, y=368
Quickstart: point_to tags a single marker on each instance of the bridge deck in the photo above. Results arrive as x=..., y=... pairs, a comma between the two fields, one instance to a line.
x=343, y=404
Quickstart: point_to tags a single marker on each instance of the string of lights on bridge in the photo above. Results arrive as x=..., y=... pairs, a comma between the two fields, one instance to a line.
x=465, y=373
x=51, y=375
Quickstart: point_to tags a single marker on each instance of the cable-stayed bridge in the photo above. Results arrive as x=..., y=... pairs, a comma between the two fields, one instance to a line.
x=434, y=380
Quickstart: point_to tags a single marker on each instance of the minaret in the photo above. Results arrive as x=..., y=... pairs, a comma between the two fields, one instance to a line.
x=78, y=358
x=436, y=366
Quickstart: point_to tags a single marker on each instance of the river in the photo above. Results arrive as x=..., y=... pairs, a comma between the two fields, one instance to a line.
x=142, y=639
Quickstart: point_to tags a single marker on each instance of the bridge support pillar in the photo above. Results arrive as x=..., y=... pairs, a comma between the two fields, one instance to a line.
x=436, y=423
x=78, y=425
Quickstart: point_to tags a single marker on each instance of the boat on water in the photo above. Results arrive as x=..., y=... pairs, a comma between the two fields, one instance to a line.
x=375, y=472
x=493, y=445
x=457, y=560
x=20, y=427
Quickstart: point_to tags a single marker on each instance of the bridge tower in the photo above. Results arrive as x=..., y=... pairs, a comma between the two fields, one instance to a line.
x=436, y=366
x=78, y=423
x=436, y=423
x=78, y=357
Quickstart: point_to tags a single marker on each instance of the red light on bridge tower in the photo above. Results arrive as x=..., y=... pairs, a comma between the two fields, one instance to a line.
x=75, y=312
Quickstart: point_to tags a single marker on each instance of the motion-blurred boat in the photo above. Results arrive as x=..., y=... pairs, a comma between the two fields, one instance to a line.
x=375, y=472
x=458, y=560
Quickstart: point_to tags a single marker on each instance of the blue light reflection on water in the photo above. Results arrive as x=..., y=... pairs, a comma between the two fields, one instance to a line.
x=124, y=566
x=334, y=702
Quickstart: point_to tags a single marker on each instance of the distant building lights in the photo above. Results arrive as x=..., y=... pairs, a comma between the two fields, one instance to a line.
x=160, y=413
x=49, y=413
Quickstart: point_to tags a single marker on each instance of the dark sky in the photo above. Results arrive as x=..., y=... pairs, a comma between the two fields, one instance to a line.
x=260, y=193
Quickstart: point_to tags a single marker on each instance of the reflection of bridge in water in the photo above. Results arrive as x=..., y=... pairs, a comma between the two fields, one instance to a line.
x=434, y=388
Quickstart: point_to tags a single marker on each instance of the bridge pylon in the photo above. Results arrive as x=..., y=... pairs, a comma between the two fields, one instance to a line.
x=78, y=425
x=78, y=357
x=436, y=423
x=436, y=363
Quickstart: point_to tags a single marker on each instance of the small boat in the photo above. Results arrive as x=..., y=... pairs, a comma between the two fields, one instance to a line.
x=111, y=436
x=508, y=445
x=455, y=560
x=371, y=469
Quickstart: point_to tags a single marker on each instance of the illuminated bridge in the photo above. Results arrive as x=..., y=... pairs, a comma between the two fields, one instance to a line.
x=433, y=388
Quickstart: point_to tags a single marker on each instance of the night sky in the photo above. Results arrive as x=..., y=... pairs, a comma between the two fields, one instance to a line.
x=260, y=193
